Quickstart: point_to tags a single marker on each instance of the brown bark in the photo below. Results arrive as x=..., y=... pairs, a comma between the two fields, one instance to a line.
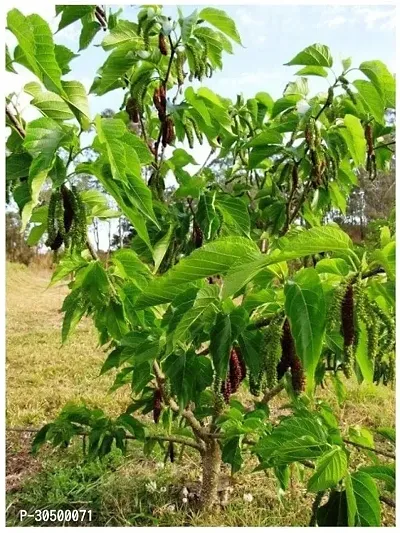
x=211, y=463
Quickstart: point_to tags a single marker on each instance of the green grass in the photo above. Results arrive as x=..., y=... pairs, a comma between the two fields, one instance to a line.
x=42, y=376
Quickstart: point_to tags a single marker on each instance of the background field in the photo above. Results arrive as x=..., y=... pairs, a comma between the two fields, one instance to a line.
x=42, y=376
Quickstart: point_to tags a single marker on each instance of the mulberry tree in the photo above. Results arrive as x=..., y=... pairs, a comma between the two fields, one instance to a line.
x=237, y=284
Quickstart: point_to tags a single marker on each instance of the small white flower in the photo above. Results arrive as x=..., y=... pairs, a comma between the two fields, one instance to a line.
x=163, y=489
x=184, y=500
x=171, y=508
x=302, y=106
x=151, y=486
x=185, y=492
x=248, y=497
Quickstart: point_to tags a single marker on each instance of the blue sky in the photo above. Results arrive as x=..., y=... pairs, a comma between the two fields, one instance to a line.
x=271, y=36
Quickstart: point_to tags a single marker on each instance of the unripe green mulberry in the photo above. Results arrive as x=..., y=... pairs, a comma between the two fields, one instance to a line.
x=187, y=126
x=271, y=352
x=333, y=315
x=51, y=221
x=179, y=61
x=196, y=129
x=147, y=27
x=255, y=383
x=330, y=96
x=350, y=94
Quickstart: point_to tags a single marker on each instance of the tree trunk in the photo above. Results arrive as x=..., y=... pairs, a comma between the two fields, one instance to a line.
x=211, y=460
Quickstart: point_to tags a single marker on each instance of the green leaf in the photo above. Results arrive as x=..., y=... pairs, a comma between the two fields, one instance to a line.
x=232, y=453
x=250, y=342
x=189, y=375
x=66, y=266
x=133, y=425
x=74, y=311
x=70, y=14
x=213, y=258
x=17, y=166
x=124, y=33
x=312, y=71
x=315, y=55
x=51, y=105
x=309, y=242
x=364, y=362
x=36, y=41
x=116, y=321
x=43, y=137
x=386, y=473
x=371, y=99
x=9, y=62
x=388, y=433
x=387, y=259
x=266, y=137
x=367, y=499
x=187, y=25
x=77, y=100
x=354, y=136
x=220, y=20
x=235, y=214
x=334, y=512
x=90, y=28
x=285, y=103
x=63, y=57
x=220, y=344
x=204, y=304
x=161, y=247
x=40, y=438
x=382, y=79
x=330, y=469
x=333, y=266
x=305, y=308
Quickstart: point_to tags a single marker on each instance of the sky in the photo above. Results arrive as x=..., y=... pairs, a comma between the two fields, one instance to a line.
x=271, y=36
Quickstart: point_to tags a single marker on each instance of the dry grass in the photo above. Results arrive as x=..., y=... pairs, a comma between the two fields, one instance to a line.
x=41, y=374
x=42, y=377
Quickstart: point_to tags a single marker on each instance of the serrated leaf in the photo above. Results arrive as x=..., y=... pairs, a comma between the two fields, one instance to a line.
x=71, y=14
x=305, y=308
x=235, y=214
x=314, y=55
x=312, y=71
x=52, y=106
x=354, y=136
x=89, y=30
x=63, y=57
x=36, y=41
x=371, y=99
x=232, y=454
x=220, y=344
x=367, y=499
x=382, y=79
x=330, y=469
x=220, y=20
x=213, y=258
x=77, y=100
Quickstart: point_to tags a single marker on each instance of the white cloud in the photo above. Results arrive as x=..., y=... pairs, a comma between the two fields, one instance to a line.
x=244, y=18
x=337, y=21
x=376, y=18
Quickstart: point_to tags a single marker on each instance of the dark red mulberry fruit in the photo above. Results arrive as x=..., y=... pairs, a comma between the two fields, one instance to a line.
x=298, y=380
x=197, y=235
x=348, y=316
x=132, y=109
x=157, y=405
x=226, y=389
x=162, y=44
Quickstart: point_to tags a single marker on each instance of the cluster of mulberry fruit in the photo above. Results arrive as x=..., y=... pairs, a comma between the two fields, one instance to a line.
x=157, y=399
x=197, y=235
x=348, y=330
x=162, y=44
x=371, y=159
x=66, y=220
x=290, y=360
x=236, y=374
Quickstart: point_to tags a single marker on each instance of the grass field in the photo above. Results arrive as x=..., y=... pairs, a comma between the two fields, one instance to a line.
x=42, y=376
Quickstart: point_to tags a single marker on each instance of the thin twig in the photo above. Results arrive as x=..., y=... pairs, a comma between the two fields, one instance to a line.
x=379, y=452
x=162, y=438
x=268, y=395
x=17, y=126
x=388, y=501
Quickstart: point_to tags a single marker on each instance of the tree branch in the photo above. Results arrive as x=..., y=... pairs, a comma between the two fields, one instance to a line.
x=17, y=126
x=268, y=395
x=162, y=438
x=186, y=413
x=362, y=447
x=388, y=501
